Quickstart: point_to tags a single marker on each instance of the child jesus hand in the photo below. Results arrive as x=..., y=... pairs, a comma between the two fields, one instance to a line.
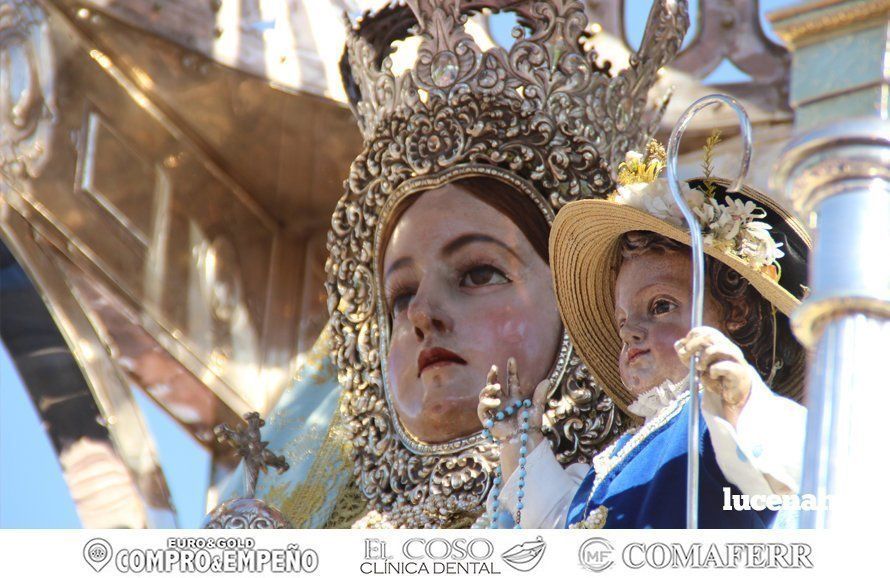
x=722, y=366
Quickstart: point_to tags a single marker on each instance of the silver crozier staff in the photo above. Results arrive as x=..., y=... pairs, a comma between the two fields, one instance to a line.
x=698, y=274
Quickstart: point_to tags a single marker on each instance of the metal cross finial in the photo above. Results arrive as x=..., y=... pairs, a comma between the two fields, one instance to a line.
x=247, y=441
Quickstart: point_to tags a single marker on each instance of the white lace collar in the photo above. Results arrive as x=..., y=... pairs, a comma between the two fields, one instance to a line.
x=648, y=404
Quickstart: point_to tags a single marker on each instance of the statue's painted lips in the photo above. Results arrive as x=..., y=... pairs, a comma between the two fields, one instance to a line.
x=435, y=355
x=525, y=556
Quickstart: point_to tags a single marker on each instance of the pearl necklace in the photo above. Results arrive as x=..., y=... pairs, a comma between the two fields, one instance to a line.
x=605, y=462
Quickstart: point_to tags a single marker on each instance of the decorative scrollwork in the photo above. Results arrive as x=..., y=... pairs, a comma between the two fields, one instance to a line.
x=245, y=514
x=27, y=101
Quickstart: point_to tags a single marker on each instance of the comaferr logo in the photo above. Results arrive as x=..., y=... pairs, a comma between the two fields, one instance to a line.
x=732, y=555
x=596, y=554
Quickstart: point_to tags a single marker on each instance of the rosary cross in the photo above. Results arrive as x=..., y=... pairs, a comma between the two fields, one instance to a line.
x=247, y=441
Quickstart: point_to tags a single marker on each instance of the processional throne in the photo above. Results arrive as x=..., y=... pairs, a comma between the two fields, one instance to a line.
x=168, y=174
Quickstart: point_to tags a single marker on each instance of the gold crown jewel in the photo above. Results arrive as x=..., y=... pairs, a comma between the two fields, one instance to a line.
x=544, y=108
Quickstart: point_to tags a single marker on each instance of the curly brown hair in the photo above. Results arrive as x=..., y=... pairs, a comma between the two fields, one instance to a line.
x=761, y=332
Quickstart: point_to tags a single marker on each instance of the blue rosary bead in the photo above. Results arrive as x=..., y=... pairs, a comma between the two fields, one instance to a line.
x=523, y=452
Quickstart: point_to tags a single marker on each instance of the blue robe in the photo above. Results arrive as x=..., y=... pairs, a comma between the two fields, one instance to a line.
x=647, y=489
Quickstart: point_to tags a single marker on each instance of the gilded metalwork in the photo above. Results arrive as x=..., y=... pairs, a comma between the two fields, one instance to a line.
x=27, y=93
x=198, y=253
x=543, y=116
x=799, y=26
x=248, y=512
x=105, y=450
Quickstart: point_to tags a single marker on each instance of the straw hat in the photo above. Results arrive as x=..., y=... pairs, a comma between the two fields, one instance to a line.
x=584, y=254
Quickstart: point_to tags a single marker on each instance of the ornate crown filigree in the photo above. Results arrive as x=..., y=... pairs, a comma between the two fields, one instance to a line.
x=545, y=104
x=543, y=115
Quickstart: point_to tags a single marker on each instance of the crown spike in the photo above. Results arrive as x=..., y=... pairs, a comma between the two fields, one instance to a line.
x=447, y=54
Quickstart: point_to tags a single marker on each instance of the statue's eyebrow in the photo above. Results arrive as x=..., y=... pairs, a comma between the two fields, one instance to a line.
x=398, y=264
x=453, y=247
x=456, y=244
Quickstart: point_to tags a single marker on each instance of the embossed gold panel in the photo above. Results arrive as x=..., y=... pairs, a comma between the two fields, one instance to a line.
x=195, y=197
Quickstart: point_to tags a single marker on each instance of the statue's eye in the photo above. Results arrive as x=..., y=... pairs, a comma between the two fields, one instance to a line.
x=399, y=297
x=482, y=275
x=401, y=302
x=662, y=306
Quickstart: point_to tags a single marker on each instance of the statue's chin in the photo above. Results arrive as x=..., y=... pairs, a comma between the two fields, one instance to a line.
x=442, y=426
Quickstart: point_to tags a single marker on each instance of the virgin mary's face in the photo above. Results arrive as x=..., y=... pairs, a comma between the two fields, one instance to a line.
x=465, y=289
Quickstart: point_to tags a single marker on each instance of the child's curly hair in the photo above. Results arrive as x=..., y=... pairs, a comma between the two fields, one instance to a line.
x=763, y=334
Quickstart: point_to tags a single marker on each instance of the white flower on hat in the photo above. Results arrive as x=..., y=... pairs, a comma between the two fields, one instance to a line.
x=733, y=226
x=758, y=247
x=656, y=199
x=630, y=195
x=633, y=157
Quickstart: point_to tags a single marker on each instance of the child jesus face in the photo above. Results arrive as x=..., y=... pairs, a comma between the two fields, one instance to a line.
x=653, y=296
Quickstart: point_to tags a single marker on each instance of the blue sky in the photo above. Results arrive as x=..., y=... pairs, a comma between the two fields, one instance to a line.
x=32, y=491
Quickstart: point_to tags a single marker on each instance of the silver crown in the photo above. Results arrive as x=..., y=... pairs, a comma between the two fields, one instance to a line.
x=544, y=107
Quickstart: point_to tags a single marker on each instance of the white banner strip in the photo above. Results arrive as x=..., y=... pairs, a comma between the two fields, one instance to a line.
x=339, y=553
